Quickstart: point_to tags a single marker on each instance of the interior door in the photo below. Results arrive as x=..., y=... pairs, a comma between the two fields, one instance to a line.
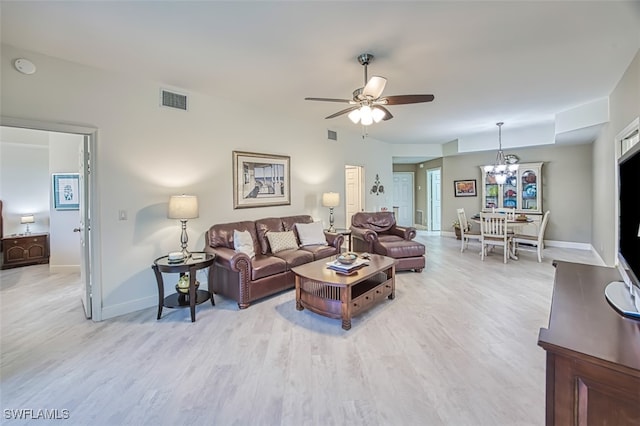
x=85, y=225
x=434, y=199
x=403, y=197
x=353, y=192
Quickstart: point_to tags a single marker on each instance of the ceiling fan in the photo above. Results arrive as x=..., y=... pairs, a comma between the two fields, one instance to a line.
x=368, y=104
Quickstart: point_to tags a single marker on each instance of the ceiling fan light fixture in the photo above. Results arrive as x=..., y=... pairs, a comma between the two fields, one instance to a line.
x=366, y=115
x=354, y=116
x=367, y=101
x=378, y=114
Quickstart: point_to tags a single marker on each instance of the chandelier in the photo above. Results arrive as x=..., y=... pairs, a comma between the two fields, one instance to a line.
x=501, y=170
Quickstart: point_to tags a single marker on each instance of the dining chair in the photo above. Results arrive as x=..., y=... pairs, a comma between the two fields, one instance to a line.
x=511, y=213
x=466, y=234
x=534, y=241
x=493, y=229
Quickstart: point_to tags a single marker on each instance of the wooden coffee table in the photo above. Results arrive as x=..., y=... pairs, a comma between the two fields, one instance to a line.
x=334, y=295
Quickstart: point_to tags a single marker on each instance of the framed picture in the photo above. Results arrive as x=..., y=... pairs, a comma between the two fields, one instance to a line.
x=260, y=180
x=465, y=188
x=66, y=191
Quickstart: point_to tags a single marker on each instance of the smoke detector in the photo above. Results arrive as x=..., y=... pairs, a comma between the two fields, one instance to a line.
x=25, y=66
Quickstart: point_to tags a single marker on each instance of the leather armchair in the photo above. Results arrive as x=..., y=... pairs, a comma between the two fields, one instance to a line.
x=378, y=233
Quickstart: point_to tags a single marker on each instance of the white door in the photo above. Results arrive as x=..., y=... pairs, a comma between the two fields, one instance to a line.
x=403, y=197
x=434, y=203
x=353, y=192
x=85, y=226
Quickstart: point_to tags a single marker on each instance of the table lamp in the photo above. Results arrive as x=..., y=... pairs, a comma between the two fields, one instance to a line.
x=331, y=200
x=183, y=207
x=27, y=219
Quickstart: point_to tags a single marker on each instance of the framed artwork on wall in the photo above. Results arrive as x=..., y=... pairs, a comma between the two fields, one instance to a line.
x=66, y=191
x=260, y=180
x=465, y=188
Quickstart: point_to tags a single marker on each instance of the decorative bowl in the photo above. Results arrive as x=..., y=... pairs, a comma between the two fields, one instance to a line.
x=183, y=285
x=347, y=258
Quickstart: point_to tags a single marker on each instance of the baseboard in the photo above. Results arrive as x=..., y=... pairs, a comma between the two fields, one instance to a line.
x=67, y=269
x=143, y=302
x=568, y=244
x=548, y=243
x=130, y=306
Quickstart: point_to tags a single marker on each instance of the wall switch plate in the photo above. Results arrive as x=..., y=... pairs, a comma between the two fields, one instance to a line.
x=122, y=215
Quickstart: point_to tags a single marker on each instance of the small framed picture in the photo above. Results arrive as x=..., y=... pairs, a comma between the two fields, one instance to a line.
x=465, y=188
x=66, y=191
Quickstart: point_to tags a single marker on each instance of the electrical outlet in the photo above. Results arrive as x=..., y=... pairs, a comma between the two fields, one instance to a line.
x=122, y=215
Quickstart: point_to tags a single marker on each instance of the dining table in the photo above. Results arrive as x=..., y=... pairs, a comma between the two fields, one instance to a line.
x=513, y=226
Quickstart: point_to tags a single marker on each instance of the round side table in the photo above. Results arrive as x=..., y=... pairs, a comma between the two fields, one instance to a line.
x=181, y=300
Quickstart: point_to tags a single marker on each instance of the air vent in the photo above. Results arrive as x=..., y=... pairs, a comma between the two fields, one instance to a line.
x=332, y=135
x=173, y=100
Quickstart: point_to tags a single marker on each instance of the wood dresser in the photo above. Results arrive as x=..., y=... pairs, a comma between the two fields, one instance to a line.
x=593, y=353
x=22, y=250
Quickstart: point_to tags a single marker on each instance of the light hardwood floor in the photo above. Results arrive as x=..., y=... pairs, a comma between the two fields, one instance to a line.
x=457, y=346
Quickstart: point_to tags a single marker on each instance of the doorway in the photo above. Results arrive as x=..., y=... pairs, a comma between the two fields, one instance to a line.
x=403, y=189
x=434, y=202
x=87, y=226
x=354, y=181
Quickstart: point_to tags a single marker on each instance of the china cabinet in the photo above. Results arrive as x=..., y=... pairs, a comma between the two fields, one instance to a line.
x=523, y=191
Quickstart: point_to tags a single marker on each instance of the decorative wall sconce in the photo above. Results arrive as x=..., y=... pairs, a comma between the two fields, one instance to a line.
x=377, y=187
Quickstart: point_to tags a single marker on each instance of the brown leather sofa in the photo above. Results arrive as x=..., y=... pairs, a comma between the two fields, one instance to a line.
x=245, y=279
x=378, y=233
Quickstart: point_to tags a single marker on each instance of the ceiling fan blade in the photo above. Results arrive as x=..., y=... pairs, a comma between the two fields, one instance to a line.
x=344, y=111
x=387, y=113
x=374, y=87
x=406, y=99
x=347, y=101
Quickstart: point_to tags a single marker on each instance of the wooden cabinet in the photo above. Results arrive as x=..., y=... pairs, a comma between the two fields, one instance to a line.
x=522, y=191
x=593, y=353
x=22, y=250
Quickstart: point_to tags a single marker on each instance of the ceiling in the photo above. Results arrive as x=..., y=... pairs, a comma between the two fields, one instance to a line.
x=519, y=62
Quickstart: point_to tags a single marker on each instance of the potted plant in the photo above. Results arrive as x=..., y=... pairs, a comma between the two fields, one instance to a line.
x=456, y=228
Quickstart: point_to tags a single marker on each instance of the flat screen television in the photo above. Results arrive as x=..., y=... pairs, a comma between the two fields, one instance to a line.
x=624, y=295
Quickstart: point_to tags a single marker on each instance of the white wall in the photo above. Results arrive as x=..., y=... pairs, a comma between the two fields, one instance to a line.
x=624, y=106
x=24, y=183
x=146, y=153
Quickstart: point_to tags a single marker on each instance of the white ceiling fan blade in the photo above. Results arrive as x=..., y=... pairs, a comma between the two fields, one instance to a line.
x=374, y=87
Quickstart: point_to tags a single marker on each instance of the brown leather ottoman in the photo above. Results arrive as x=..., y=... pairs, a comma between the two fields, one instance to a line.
x=409, y=254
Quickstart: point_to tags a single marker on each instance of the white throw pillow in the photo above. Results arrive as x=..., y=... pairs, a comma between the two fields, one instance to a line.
x=282, y=241
x=243, y=243
x=311, y=234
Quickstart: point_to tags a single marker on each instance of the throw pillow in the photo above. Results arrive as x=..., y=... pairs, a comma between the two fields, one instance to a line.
x=243, y=243
x=282, y=241
x=311, y=234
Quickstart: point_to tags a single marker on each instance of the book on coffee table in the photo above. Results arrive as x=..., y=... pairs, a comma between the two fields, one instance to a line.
x=345, y=269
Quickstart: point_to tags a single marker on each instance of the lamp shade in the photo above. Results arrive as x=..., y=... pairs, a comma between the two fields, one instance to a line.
x=183, y=207
x=27, y=219
x=330, y=199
